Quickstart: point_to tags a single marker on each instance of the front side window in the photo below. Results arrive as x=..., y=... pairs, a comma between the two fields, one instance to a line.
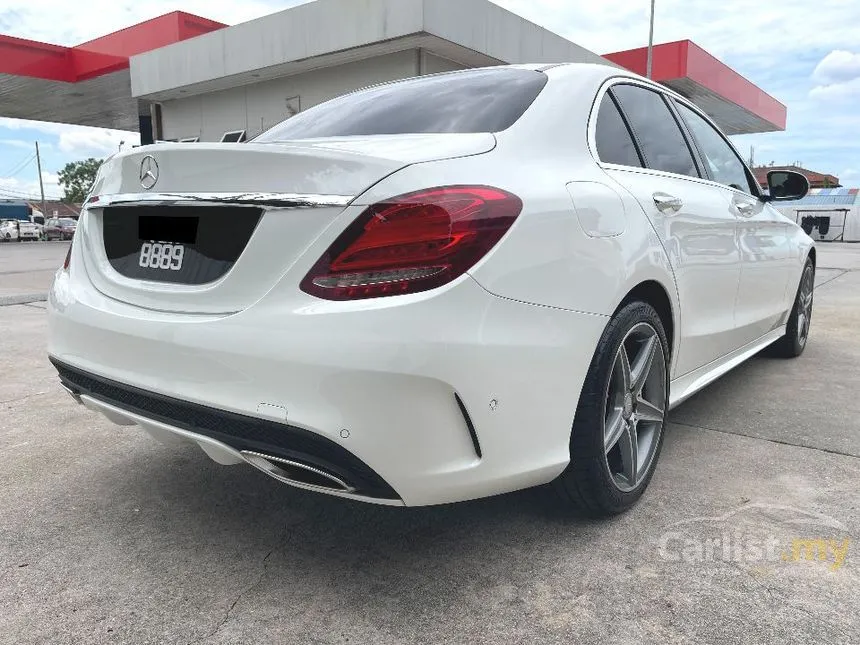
x=487, y=100
x=723, y=164
x=662, y=143
x=614, y=143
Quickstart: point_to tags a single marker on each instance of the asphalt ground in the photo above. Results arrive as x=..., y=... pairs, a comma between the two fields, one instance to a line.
x=26, y=269
x=749, y=532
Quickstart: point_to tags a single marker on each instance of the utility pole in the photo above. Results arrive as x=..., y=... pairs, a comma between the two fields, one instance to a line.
x=41, y=185
x=650, y=41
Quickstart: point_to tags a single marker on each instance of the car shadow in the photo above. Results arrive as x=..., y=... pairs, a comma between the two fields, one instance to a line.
x=238, y=518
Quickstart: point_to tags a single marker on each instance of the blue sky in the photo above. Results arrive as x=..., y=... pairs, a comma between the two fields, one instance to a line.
x=806, y=55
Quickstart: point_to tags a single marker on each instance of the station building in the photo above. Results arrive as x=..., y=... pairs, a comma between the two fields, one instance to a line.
x=185, y=77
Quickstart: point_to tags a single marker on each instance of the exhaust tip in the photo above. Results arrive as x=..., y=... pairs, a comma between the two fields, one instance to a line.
x=295, y=472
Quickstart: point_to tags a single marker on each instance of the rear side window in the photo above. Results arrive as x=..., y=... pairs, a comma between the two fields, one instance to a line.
x=487, y=100
x=724, y=165
x=663, y=146
x=614, y=143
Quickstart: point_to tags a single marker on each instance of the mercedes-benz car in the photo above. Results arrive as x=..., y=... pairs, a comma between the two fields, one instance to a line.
x=435, y=289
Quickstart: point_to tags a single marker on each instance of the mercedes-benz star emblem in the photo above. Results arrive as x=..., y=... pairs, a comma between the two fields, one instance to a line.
x=148, y=172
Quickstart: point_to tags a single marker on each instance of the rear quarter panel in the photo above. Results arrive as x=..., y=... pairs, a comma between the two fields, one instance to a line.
x=553, y=256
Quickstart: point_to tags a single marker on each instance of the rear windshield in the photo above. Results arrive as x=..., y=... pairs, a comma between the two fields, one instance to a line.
x=486, y=100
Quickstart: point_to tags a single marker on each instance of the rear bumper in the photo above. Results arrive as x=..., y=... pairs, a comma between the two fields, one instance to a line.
x=372, y=382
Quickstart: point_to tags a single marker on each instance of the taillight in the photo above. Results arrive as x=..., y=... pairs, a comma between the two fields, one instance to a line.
x=413, y=242
x=68, y=258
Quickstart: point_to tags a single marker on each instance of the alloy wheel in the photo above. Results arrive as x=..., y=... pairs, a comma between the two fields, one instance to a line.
x=635, y=406
x=804, y=304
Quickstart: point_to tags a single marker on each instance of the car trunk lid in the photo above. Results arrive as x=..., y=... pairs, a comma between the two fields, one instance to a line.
x=210, y=228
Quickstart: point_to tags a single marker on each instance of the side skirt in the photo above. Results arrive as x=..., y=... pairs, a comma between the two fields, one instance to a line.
x=683, y=387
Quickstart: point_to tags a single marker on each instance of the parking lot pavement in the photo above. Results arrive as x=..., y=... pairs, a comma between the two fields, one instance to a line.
x=26, y=269
x=109, y=537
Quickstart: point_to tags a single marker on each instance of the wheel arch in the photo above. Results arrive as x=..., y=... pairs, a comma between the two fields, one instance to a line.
x=656, y=295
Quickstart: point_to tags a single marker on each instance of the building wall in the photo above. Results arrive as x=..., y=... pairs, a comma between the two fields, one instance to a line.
x=323, y=27
x=258, y=107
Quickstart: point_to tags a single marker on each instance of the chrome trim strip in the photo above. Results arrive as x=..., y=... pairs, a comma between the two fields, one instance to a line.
x=255, y=459
x=279, y=200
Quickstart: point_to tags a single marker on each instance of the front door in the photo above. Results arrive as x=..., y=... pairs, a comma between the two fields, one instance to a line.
x=765, y=250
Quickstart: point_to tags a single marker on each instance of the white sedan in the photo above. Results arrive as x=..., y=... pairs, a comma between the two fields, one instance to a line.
x=435, y=289
x=19, y=230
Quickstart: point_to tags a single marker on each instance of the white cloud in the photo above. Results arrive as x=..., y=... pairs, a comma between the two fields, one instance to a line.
x=41, y=126
x=94, y=142
x=70, y=24
x=76, y=141
x=838, y=66
x=837, y=91
x=730, y=27
x=18, y=188
x=17, y=143
x=838, y=77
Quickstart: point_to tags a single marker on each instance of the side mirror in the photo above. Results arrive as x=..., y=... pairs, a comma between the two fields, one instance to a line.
x=783, y=185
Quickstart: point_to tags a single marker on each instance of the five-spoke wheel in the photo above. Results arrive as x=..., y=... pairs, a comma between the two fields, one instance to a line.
x=793, y=342
x=635, y=401
x=618, y=428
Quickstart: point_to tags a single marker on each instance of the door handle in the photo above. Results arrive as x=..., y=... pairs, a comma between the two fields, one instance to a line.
x=666, y=203
x=745, y=209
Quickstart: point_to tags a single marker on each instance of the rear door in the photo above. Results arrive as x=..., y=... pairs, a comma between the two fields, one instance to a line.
x=691, y=217
x=763, y=234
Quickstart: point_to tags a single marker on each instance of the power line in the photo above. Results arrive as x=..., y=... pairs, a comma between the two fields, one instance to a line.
x=22, y=168
x=17, y=194
x=18, y=167
x=17, y=163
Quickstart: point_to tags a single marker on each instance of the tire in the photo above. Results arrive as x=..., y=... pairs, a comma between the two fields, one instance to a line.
x=792, y=344
x=599, y=479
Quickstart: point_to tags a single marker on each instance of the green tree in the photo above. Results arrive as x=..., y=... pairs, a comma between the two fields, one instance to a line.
x=77, y=178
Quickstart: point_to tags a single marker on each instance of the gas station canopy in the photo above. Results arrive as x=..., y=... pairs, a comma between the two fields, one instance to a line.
x=738, y=106
x=90, y=84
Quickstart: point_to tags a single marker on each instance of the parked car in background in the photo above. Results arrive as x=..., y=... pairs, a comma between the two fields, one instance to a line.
x=13, y=229
x=60, y=228
x=8, y=230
